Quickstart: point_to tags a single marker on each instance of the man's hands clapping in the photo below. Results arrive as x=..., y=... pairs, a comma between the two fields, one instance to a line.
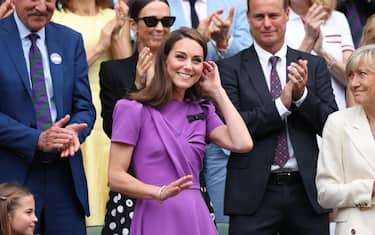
x=295, y=87
x=63, y=139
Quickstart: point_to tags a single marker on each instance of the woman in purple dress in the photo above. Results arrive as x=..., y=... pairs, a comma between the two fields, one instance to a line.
x=162, y=130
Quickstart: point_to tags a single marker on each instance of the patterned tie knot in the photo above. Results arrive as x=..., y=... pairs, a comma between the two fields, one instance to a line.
x=192, y=2
x=273, y=60
x=33, y=37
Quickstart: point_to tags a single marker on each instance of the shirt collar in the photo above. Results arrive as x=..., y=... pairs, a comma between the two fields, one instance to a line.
x=293, y=15
x=265, y=55
x=24, y=31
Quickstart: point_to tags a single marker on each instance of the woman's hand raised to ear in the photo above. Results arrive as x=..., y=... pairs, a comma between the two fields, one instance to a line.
x=210, y=81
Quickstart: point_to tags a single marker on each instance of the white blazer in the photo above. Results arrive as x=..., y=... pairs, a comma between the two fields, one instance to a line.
x=346, y=171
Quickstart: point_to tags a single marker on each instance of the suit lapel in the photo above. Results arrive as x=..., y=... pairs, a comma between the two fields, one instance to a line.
x=291, y=56
x=15, y=51
x=255, y=74
x=360, y=134
x=127, y=83
x=54, y=50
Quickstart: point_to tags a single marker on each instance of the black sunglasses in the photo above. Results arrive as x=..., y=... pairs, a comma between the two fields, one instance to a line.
x=152, y=21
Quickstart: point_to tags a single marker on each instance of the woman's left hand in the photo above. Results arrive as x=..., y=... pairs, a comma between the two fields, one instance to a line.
x=121, y=18
x=175, y=187
x=210, y=80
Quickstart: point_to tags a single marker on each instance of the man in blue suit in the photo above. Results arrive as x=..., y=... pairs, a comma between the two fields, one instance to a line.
x=39, y=55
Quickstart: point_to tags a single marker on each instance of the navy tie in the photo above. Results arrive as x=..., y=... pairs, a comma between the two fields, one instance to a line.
x=193, y=14
x=39, y=91
x=281, y=151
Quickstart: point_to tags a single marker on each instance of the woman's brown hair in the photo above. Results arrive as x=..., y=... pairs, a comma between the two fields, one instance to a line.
x=160, y=90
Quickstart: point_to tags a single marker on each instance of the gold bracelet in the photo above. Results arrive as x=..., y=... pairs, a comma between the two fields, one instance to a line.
x=161, y=189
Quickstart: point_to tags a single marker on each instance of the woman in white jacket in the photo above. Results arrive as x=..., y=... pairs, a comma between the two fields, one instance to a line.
x=346, y=164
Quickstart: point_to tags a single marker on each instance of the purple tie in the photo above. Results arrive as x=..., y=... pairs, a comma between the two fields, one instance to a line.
x=355, y=23
x=39, y=92
x=281, y=150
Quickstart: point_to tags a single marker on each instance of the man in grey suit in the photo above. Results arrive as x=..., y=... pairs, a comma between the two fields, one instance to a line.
x=285, y=97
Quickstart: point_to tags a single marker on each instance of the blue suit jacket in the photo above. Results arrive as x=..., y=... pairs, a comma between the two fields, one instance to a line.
x=240, y=34
x=18, y=133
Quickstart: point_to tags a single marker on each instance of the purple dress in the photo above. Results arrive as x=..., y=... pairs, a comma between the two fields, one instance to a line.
x=169, y=144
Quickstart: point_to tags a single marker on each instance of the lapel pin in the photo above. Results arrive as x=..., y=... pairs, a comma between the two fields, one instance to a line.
x=56, y=58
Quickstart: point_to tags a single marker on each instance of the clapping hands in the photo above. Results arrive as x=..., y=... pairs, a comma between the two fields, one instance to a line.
x=216, y=28
x=64, y=139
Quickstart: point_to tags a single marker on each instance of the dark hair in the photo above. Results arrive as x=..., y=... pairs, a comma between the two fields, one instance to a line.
x=160, y=90
x=136, y=6
x=10, y=194
x=285, y=5
x=64, y=4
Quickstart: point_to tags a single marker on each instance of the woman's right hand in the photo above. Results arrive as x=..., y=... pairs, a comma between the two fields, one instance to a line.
x=313, y=19
x=144, y=69
x=175, y=187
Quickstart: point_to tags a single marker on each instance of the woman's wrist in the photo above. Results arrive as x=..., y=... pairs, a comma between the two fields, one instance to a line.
x=330, y=60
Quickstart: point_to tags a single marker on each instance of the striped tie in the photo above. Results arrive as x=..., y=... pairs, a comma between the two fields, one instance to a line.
x=355, y=23
x=39, y=92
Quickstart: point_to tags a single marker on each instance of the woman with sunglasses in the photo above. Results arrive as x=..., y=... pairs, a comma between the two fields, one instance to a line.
x=106, y=36
x=162, y=131
x=151, y=22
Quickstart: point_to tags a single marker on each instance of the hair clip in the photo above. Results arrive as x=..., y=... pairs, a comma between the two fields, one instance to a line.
x=3, y=198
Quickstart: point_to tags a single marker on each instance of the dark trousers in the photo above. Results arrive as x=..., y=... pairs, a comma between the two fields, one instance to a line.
x=57, y=206
x=284, y=210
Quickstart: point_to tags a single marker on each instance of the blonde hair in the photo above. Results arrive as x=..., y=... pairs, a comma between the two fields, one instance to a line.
x=329, y=5
x=368, y=33
x=364, y=55
x=10, y=194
